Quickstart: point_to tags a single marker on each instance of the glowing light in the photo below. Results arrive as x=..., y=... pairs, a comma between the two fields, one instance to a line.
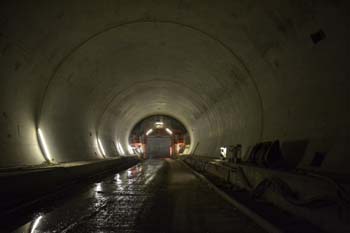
x=43, y=143
x=35, y=224
x=120, y=149
x=223, y=151
x=131, y=151
x=100, y=146
x=98, y=187
x=159, y=124
x=117, y=178
x=149, y=131
x=169, y=131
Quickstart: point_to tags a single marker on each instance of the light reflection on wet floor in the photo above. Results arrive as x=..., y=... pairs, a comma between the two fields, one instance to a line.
x=111, y=205
x=154, y=196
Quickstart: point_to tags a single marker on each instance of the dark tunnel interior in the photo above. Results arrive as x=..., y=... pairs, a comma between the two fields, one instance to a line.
x=103, y=99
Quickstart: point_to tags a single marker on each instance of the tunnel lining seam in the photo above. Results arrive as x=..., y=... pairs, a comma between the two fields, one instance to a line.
x=82, y=43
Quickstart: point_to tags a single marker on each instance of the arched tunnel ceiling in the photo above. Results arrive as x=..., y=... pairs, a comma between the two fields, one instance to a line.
x=231, y=71
x=137, y=69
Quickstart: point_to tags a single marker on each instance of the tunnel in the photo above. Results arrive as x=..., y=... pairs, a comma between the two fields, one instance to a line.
x=159, y=136
x=261, y=89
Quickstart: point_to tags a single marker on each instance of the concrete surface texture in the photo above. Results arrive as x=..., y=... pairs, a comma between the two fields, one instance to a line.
x=21, y=189
x=154, y=196
x=231, y=71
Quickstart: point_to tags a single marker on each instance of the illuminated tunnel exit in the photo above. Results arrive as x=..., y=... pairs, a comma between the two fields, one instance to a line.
x=159, y=136
x=175, y=116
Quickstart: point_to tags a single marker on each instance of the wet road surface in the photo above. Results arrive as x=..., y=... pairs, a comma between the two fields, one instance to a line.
x=153, y=196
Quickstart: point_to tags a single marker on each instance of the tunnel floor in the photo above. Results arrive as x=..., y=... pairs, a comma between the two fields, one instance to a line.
x=154, y=196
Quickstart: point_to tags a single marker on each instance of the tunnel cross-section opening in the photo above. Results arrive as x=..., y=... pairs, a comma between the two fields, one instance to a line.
x=253, y=95
x=159, y=136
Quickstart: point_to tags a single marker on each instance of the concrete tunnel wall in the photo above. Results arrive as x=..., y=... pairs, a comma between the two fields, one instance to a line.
x=231, y=71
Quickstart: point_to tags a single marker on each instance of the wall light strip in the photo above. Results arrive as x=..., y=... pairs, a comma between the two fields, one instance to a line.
x=223, y=151
x=35, y=224
x=130, y=150
x=102, y=150
x=120, y=149
x=149, y=131
x=44, y=147
x=169, y=131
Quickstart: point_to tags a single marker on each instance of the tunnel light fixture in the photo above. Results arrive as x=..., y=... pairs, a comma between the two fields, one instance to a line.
x=149, y=131
x=44, y=147
x=223, y=151
x=140, y=150
x=159, y=124
x=35, y=224
x=100, y=146
x=120, y=149
x=131, y=151
x=169, y=131
x=98, y=187
x=117, y=179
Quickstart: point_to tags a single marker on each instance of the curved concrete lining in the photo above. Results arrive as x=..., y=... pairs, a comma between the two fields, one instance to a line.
x=231, y=71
